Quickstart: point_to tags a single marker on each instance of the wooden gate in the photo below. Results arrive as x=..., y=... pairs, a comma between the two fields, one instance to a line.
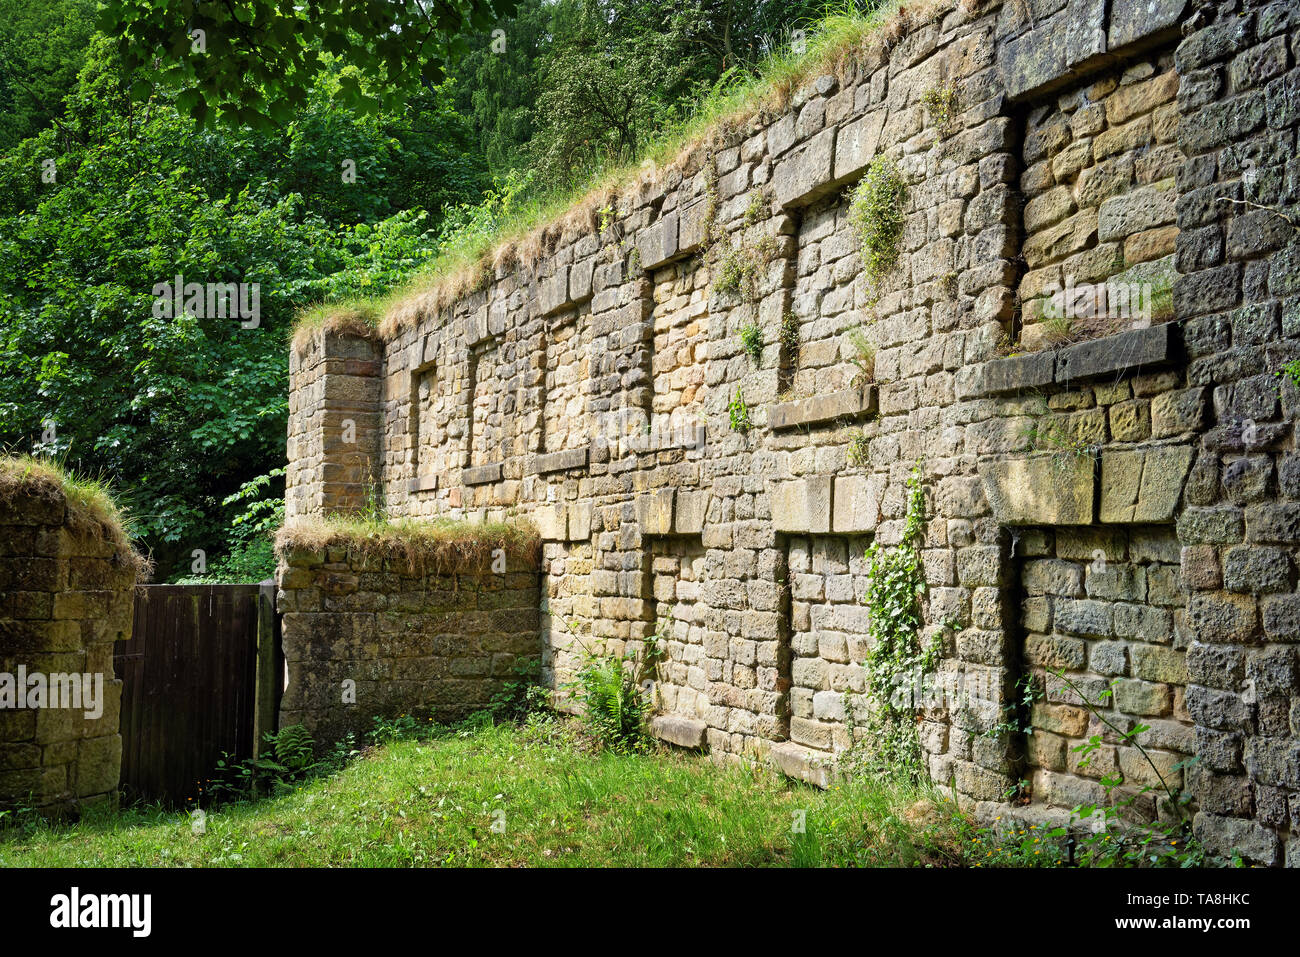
x=190, y=678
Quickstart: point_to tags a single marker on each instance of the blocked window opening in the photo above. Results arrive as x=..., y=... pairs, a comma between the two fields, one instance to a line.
x=1099, y=215
x=679, y=358
x=565, y=415
x=425, y=438
x=491, y=404
x=828, y=301
x=567, y=612
x=1099, y=606
x=828, y=640
x=677, y=569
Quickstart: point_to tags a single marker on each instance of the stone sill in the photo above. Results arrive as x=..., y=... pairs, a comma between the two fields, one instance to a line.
x=1124, y=352
x=803, y=764
x=424, y=483
x=683, y=732
x=844, y=404
x=481, y=474
x=560, y=461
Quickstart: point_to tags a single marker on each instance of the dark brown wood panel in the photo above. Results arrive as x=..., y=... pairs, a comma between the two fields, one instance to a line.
x=188, y=674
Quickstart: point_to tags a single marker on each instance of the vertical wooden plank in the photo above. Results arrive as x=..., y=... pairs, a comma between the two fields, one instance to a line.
x=266, y=676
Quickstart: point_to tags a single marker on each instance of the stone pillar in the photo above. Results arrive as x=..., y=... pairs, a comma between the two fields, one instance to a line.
x=66, y=594
x=335, y=424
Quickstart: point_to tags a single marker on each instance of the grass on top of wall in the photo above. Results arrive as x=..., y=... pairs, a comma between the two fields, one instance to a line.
x=440, y=545
x=556, y=803
x=91, y=507
x=840, y=43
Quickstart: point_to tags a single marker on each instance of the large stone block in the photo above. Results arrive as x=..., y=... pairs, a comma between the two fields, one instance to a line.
x=1135, y=349
x=579, y=525
x=675, y=729
x=656, y=244
x=1041, y=489
x=844, y=404
x=855, y=147
x=802, y=764
x=1143, y=485
x=690, y=511
x=654, y=512
x=553, y=291
x=481, y=474
x=805, y=175
x=1134, y=20
x=856, y=506
x=551, y=522
x=803, y=505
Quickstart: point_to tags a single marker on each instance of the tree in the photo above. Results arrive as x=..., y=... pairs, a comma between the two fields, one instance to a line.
x=181, y=411
x=41, y=50
x=254, y=62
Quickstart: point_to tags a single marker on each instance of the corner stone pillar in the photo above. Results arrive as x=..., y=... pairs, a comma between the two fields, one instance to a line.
x=335, y=423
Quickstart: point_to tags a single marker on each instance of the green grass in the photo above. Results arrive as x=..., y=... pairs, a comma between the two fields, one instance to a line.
x=431, y=802
x=442, y=544
x=91, y=508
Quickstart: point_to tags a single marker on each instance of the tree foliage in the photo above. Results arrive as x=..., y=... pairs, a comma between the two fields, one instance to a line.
x=255, y=62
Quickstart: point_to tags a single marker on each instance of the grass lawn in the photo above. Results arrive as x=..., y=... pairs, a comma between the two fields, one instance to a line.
x=432, y=802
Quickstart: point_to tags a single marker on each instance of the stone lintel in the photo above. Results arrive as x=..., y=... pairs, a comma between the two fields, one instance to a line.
x=422, y=483
x=844, y=404
x=560, y=461
x=481, y=474
x=1050, y=489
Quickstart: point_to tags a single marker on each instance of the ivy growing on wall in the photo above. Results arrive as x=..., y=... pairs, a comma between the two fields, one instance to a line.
x=896, y=582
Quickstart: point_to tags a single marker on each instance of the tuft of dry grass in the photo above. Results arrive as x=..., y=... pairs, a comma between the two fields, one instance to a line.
x=440, y=545
x=842, y=44
x=356, y=317
x=90, y=508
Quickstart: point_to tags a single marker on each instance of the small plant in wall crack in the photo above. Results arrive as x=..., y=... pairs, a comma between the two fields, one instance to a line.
x=895, y=586
x=943, y=103
x=859, y=451
x=863, y=357
x=751, y=341
x=790, y=335
x=877, y=213
x=736, y=273
x=738, y=412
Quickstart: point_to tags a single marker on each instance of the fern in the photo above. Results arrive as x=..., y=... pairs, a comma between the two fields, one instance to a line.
x=293, y=747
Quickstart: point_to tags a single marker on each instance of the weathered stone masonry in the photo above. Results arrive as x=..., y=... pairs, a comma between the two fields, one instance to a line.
x=66, y=595
x=1123, y=506
x=365, y=636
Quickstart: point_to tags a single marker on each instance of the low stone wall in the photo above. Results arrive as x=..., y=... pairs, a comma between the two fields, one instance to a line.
x=366, y=636
x=66, y=594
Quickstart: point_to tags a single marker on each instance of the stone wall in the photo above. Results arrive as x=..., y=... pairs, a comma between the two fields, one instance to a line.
x=66, y=594
x=367, y=635
x=1076, y=143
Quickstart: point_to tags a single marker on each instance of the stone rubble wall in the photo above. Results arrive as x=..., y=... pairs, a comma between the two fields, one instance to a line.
x=366, y=637
x=1088, y=141
x=65, y=597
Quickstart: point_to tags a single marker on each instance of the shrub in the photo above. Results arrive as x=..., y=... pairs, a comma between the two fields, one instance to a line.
x=876, y=213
